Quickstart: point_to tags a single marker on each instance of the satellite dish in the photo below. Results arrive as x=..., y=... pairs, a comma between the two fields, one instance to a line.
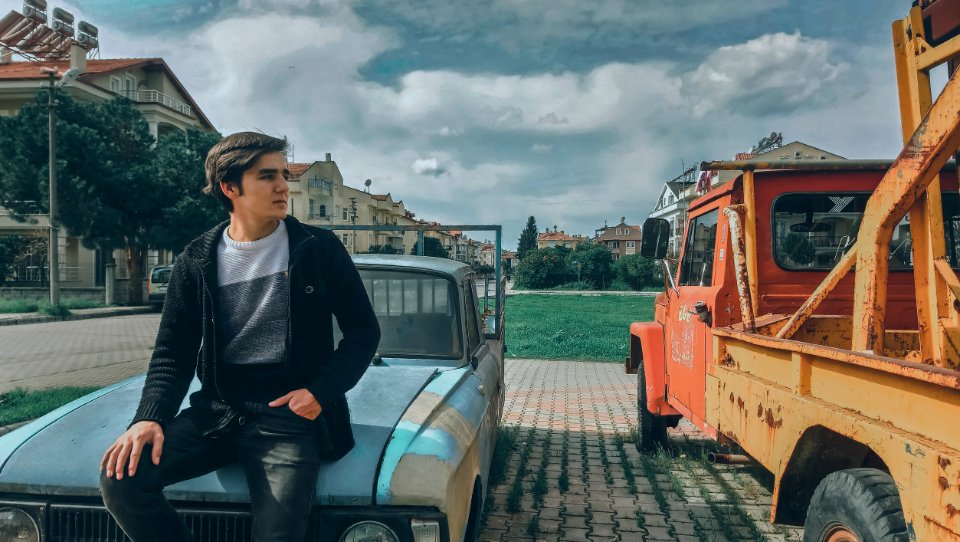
x=367, y=183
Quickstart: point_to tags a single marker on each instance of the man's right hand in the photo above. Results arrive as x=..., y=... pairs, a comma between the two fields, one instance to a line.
x=126, y=450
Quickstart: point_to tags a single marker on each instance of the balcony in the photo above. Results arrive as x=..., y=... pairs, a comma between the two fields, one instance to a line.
x=320, y=185
x=157, y=97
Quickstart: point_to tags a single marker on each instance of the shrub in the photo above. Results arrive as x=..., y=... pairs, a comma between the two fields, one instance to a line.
x=543, y=268
x=636, y=271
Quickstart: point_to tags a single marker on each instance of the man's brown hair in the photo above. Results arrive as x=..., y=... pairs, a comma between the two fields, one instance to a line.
x=231, y=156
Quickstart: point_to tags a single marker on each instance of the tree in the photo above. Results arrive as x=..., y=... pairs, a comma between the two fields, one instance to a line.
x=11, y=247
x=178, y=172
x=544, y=268
x=594, y=262
x=383, y=249
x=484, y=269
x=528, y=238
x=431, y=247
x=121, y=191
x=636, y=271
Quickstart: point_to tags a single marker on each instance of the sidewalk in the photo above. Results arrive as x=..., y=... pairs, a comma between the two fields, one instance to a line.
x=16, y=318
x=575, y=475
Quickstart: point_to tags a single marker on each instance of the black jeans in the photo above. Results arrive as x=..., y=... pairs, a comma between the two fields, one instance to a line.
x=277, y=449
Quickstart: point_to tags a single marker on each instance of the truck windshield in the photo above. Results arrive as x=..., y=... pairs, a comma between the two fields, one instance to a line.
x=812, y=231
x=418, y=313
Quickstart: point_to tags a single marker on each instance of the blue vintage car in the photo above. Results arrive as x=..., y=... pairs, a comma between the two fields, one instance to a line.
x=425, y=418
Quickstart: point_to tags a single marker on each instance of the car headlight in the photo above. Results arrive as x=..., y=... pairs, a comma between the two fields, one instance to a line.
x=18, y=526
x=369, y=531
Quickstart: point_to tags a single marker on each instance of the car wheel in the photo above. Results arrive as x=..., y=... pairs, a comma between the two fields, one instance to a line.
x=651, y=430
x=855, y=505
x=475, y=521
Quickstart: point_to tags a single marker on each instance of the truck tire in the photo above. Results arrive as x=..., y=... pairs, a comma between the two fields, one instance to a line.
x=651, y=430
x=855, y=505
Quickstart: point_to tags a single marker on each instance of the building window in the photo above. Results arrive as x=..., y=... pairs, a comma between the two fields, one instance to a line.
x=323, y=211
x=344, y=214
x=115, y=85
x=630, y=244
x=671, y=199
x=129, y=85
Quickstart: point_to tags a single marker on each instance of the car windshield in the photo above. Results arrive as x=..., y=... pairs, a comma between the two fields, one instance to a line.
x=418, y=312
x=161, y=275
x=812, y=231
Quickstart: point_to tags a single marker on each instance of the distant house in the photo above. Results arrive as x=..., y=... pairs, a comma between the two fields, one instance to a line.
x=619, y=240
x=558, y=238
x=166, y=106
x=677, y=193
x=791, y=152
x=672, y=203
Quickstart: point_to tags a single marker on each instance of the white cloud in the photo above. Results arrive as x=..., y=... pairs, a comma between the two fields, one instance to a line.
x=428, y=166
x=542, y=148
x=482, y=147
x=769, y=74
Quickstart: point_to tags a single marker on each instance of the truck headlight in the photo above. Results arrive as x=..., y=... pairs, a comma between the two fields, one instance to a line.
x=369, y=531
x=425, y=530
x=18, y=526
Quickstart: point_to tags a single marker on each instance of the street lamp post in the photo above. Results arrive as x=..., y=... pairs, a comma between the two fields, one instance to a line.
x=53, y=258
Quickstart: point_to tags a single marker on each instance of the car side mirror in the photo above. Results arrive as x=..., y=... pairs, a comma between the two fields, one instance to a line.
x=655, y=238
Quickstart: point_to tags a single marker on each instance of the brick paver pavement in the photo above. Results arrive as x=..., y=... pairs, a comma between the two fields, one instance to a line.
x=93, y=352
x=583, y=479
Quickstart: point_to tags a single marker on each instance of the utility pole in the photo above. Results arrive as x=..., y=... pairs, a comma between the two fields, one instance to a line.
x=353, y=220
x=53, y=259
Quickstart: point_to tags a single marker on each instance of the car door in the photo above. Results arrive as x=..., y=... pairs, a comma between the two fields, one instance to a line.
x=687, y=336
x=486, y=372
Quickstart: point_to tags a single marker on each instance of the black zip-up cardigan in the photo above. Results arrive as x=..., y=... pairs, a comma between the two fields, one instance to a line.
x=323, y=282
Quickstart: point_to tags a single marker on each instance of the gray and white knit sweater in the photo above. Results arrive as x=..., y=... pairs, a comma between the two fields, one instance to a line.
x=254, y=299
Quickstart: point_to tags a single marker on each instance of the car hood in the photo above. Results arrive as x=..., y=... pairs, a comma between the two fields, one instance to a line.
x=59, y=454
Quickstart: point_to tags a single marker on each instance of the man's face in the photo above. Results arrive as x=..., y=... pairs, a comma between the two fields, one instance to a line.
x=265, y=191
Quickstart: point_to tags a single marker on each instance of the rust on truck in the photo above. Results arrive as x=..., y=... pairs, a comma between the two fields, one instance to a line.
x=839, y=356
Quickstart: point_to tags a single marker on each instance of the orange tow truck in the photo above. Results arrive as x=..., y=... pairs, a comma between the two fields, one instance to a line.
x=813, y=319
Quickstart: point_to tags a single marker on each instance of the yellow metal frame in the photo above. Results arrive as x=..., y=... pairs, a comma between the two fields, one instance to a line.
x=796, y=389
x=931, y=133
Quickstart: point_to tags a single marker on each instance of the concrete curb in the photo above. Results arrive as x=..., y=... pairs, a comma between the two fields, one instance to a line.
x=77, y=314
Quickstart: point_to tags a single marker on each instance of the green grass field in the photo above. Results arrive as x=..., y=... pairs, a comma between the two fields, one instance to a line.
x=594, y=328
x=19, y=405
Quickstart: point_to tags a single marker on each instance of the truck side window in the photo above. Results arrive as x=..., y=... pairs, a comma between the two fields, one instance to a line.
x=696, y=269
x=812, y=231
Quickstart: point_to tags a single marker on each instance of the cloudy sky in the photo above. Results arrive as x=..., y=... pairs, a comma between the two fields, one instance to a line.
x=573, y=111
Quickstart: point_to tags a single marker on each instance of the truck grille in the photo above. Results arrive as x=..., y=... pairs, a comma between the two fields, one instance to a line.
x=67, y=523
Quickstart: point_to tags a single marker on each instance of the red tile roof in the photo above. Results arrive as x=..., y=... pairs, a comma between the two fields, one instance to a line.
x=558, y=236
x=26, y=71
x=744, y=156
x=31, y=70
x=297, y=169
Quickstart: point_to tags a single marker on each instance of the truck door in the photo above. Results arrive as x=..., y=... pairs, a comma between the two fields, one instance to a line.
x=687, y=336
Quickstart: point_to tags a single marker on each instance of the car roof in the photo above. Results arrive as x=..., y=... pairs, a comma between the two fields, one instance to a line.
x=438, y=265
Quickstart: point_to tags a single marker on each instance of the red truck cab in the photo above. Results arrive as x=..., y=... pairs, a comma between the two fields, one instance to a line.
x=806, y=220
